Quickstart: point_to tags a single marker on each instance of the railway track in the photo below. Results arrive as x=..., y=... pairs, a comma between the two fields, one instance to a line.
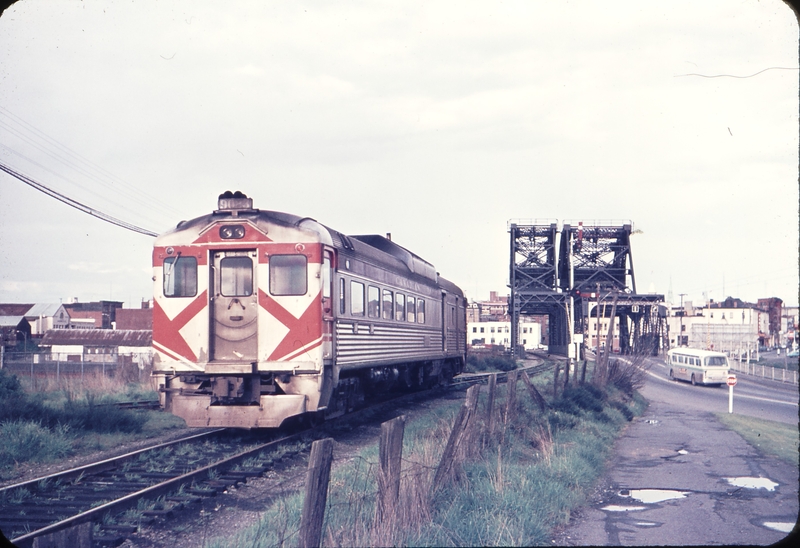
x=174, y=474
x=196, y=466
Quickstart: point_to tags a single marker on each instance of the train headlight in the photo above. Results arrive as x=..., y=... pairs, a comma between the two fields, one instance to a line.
x=231, y=232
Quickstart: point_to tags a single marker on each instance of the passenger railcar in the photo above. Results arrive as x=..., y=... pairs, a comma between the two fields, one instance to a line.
x=259, y=316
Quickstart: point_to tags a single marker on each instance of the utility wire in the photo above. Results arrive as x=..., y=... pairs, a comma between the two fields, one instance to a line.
x=74, y=203
x=54, y=149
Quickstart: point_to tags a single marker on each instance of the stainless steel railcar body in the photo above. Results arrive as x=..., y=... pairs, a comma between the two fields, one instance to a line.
x=259, y=316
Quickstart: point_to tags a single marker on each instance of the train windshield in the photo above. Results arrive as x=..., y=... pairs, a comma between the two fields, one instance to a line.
x=288, y=274
x=180, y=277
x=236, y=276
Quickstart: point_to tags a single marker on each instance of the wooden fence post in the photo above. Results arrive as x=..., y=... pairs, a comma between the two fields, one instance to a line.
x=490, y=403
x=450, y=456
x=317, y=476
x=555, y=380
x=537, y=397
x=391, y=453
x=468, y=448
x=511, y=402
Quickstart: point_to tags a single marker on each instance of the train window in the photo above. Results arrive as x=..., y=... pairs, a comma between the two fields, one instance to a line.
x=373, y=302
x=180, y=277
x=388, y=305
x=420, y=310
x=236, y=276
x=411, y=309
x=400, y=310
x=356, y=298
x=341, y=296
x=288, y=274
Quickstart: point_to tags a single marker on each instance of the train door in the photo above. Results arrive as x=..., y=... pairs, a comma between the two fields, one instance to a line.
x=444, y=321
x=327, y=303
x=234, y=306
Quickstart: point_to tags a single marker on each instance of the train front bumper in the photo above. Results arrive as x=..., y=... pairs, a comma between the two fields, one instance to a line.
x=271, y=411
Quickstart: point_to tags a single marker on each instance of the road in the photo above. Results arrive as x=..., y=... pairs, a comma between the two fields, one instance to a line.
x=679, y=477
x=752, y=396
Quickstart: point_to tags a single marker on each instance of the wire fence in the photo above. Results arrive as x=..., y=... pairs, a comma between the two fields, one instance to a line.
x=43, y=370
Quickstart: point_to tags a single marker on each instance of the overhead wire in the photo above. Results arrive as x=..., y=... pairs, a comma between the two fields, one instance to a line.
x=56, y=150
x=74, y=203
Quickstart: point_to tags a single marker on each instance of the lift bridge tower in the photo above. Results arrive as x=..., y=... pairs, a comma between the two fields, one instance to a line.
x=571, y=272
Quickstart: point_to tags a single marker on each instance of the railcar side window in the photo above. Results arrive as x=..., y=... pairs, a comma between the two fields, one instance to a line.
x=180, y=277
x=356, y=298
x=421, y=311
x=411, y=309
x=400, y=311
x=341, y=296
x=236, y=276
x=388, y=305
x=373, y=302
x=288, y=274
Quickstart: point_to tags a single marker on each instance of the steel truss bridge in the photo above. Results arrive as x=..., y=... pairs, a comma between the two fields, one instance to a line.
x=571, y=272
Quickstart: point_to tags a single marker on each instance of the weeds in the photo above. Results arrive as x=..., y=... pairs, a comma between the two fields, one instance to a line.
x=514, y=485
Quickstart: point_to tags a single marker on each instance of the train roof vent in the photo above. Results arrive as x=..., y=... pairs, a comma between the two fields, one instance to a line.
x=234, y=201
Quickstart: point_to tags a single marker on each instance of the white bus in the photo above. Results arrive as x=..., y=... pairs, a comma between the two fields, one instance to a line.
x=697, y=366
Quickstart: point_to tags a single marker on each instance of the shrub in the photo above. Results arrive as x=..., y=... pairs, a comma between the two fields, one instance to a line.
x=489, y=362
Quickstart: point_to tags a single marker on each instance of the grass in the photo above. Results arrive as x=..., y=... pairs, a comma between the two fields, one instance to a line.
x=47, y=426
x=772, y=438
x=512, y=488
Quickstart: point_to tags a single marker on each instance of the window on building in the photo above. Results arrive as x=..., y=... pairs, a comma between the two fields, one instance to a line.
x=482, y=329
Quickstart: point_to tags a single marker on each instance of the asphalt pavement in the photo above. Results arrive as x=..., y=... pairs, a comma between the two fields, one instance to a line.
x=679, y=477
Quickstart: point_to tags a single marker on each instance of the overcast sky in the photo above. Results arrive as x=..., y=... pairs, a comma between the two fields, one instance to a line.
x=435, y=121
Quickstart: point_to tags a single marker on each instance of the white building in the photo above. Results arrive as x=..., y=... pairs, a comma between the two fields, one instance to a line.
x=499, y=333
x=46, y=316
x=730, y=329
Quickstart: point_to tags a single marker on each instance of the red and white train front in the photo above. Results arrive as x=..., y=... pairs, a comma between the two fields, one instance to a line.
x=242, y=318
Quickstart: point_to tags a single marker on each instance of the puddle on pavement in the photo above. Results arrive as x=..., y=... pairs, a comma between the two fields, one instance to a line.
x=753, y=483
x=683, y=452
x=645, y=524
x=619, y=508
x=652, y=496
x=781, y=526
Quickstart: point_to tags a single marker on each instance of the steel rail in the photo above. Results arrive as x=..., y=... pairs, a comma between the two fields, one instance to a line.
x=132, y=499
x=104, y=465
